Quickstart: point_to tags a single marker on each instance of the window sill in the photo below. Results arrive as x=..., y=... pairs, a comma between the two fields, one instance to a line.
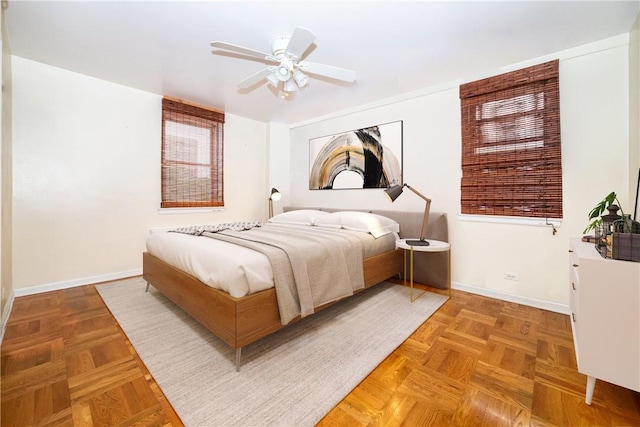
x=171, y=211
x=536, y=222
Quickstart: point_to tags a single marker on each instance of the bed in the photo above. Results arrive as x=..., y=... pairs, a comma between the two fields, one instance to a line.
x=242, y=320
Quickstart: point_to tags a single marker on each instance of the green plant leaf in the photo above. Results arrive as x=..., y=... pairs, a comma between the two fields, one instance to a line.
x=592, y=225
x=599, y=209
x=602, y=206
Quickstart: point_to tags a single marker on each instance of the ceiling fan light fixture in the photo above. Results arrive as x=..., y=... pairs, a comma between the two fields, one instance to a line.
x=300, y=78
x=290, y=86
x=284, y=70
x=282, y=73
x=273, y=80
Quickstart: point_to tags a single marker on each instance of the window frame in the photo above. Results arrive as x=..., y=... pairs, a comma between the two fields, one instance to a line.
x=520, y=136
x=188, y=194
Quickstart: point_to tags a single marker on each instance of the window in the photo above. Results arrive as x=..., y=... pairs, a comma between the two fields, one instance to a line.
x=192, y=163
x=511, y=160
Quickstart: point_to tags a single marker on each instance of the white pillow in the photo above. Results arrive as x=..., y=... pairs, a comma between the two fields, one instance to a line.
x=302, y=216
x=376, y=225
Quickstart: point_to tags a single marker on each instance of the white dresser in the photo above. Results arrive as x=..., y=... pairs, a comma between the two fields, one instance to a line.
x=605, y=311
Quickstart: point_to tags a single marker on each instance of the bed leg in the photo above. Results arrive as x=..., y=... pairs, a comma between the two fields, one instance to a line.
x=147, y=288
x=238, y=356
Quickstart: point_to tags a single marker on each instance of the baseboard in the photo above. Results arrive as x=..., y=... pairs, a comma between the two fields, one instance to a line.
x=5, y=314
x=56, y=286
x=545, y=305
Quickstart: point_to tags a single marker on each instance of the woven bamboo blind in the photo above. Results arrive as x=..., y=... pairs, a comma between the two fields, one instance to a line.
x=511, y=160
x=192, y=155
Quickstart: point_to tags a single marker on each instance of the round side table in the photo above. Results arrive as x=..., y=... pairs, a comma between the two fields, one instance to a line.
x=434, y=246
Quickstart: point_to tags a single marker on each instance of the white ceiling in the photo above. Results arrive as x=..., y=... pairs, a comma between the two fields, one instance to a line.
x=395, y=47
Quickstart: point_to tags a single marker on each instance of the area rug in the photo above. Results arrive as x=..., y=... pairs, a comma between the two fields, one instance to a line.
x=291, y=378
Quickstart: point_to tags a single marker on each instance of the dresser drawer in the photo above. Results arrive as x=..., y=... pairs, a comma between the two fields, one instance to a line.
x=573, y=284
x=574, y=275
x=573, y=298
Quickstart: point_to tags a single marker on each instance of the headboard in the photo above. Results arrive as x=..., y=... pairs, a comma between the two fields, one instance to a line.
x=430, y=268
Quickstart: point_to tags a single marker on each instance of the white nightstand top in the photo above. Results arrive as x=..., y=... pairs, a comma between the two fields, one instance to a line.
x=434, y=245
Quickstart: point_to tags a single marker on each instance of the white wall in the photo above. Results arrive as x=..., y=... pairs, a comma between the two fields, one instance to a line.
x=6, y=288
x=634, y=113
x=86, y=163
x=279, y=176
x=594, y=92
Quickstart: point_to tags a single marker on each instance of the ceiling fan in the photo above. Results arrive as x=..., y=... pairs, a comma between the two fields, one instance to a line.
x=286, y=55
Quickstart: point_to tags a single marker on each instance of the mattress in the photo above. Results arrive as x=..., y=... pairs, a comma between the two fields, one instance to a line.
x=235, y=269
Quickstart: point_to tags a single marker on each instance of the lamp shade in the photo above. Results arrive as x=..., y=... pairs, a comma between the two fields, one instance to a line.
x=393, y=192
x=300, y=78
x=290, y=86
x=275, y=194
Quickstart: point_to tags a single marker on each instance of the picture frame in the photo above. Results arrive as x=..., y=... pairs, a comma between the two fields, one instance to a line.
x=369, y=157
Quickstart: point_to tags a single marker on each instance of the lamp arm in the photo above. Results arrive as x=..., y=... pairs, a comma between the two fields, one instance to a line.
x=425, y=220
x=418, y=193
x=423, y=230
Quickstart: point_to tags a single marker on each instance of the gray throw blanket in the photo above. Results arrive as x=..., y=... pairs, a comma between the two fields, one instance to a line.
x=311, y=266
x=197, y=230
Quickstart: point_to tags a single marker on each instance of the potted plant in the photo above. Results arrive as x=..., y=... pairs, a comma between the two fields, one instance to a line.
x=595, y=216
x=619, y=238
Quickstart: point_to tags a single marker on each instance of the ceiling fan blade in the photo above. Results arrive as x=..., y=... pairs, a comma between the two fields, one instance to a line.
x=328, y=71
x=255, y=78
x=300, y=41
x=240, y=49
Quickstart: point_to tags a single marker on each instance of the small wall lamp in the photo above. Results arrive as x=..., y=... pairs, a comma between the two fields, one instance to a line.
x=393, y=193
x=275, y=195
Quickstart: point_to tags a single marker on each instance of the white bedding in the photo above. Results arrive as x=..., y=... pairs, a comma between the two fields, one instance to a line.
x=214, y=262
x=234, y=269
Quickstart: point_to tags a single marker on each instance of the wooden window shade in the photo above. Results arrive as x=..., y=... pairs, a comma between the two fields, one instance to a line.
x=511, y=160
x=192, y=162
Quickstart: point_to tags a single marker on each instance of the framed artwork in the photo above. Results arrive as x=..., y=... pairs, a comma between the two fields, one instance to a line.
x=370, y=157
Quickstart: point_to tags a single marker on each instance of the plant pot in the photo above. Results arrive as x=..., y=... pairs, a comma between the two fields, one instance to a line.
x=626, y=246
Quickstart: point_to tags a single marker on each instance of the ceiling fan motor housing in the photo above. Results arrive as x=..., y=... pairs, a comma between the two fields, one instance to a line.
x=279, y=46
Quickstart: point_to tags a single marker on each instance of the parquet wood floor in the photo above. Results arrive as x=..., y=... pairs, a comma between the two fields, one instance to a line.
x=65, y=362
x=484, y=362
x=477, y=361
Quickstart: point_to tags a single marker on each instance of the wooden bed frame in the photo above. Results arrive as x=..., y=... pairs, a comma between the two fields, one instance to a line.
x=242, y=321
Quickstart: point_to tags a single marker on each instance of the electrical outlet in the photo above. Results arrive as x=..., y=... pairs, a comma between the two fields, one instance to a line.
x=511, y=276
